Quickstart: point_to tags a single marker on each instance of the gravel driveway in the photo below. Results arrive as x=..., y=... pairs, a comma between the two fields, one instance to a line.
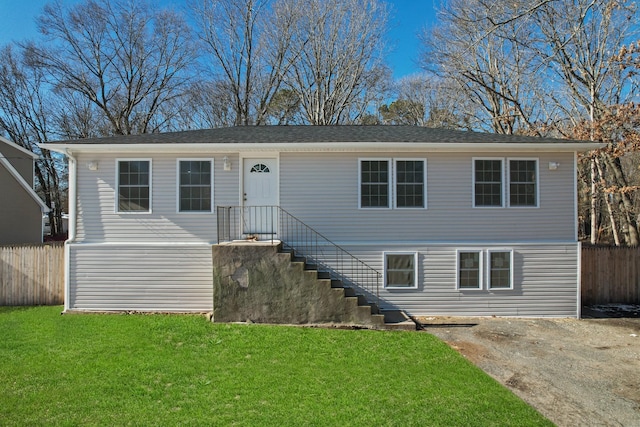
x=575, y=372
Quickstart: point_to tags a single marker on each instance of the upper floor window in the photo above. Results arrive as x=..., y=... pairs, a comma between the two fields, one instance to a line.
x=374, y=183
x=195, y=177
x=523, y=176
x=410, y=183
x=134, y=186
x=487, y=177
x=489, y=183
x=384, y=180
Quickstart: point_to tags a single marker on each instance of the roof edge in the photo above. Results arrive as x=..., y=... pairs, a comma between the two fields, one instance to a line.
x=117, y=148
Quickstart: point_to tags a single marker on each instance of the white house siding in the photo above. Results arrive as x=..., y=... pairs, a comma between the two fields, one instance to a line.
x=161, y=261
x=123, y=277
x=545, y=280
x=322, y=190
x=99, y=222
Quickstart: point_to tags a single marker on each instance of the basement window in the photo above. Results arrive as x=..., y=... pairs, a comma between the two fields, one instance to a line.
x=401, y=270
x=469, y=269
x=500, y=270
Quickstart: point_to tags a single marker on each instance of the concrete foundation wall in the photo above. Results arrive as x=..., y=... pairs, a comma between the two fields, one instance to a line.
x=254, y=282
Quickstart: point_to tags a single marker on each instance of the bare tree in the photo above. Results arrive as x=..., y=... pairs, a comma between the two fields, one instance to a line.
x=74, y=116
x=127, y=57
x=248, y=41
x=579, y=40
x=336, y=57
x=476, y=46
x=25, y=117
x=209, y=105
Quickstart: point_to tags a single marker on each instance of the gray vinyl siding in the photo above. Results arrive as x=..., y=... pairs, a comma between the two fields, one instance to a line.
x=545, y=280
x=161, y=261
x=116, y=277
x=322, y=190
x=20, y=214
x=99, y=222
x=21, y=161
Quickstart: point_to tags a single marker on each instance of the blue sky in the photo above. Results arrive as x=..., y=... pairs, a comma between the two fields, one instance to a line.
x=410, y=17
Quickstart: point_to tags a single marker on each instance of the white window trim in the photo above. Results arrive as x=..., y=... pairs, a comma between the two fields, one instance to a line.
x=394, y=187
x=502, y=182
x=480, y=268
x=389, y=182
x=498, y=250
x=537, y=183
x=415, y=269
x=117, y=189
x=193, y=159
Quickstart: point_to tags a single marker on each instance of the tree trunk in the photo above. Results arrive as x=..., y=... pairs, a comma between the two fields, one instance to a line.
x=594, y=203
x=613, y=164
x=612, y=220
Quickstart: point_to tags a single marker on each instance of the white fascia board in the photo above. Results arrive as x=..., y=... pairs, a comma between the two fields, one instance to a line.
x=24, y=184
x=19, y=147
x=382, y=147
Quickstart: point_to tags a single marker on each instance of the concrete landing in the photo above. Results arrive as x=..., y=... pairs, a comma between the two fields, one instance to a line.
x=398, y=320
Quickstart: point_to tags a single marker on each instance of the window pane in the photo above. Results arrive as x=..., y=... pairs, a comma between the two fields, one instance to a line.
x=410, y=184
x=469, y=270
x=400, y=270
x=195, y=186
x=522, y=183
x=488, y=183
x=374, y=184
x=500, y=265
x=400, y=262
x=133, y=186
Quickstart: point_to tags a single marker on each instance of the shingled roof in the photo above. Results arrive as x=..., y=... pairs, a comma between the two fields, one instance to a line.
x=317, y=134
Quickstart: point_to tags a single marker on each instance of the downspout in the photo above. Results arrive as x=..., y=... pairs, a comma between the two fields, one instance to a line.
x=73, y=164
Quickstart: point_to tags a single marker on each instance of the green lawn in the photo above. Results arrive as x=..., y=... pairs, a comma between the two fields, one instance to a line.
x=167, y=370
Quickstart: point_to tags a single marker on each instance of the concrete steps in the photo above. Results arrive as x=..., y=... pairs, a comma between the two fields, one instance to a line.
x=364, y=312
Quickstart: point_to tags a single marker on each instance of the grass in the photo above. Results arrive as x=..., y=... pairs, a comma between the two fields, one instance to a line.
x=171, y=369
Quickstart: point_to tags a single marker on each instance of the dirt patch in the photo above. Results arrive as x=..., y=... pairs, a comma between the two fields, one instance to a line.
x=574, y=372
x=474, y=352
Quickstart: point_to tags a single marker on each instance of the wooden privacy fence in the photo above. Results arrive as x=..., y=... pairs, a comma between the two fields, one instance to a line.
x=610, y=275
x=32, y=275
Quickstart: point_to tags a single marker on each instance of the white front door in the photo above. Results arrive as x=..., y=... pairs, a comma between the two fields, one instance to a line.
x=260, y=196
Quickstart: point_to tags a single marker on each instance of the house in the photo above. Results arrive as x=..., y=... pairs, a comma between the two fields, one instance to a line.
x=21, y=209
x=457, y=223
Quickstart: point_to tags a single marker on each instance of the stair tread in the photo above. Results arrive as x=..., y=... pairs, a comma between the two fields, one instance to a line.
x=378, y=318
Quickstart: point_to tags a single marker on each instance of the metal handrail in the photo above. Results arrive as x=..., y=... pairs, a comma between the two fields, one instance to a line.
x=273, y=222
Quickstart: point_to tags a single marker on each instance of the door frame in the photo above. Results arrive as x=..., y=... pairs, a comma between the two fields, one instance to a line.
x=258, y=155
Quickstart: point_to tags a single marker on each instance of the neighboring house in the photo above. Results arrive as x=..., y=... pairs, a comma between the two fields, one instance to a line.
x=21, y=208
x=459, y=223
